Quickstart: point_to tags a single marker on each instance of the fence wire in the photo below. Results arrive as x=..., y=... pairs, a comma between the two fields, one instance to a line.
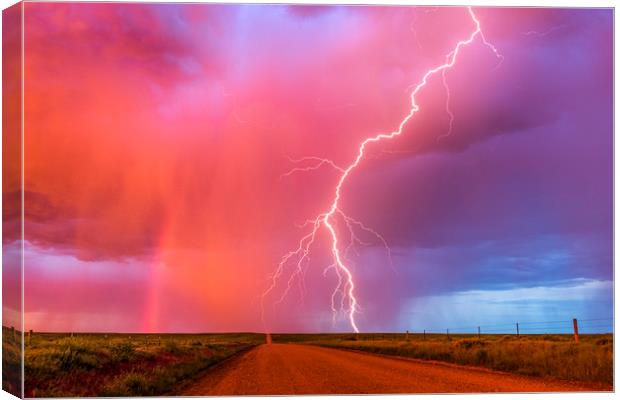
x=586, y=326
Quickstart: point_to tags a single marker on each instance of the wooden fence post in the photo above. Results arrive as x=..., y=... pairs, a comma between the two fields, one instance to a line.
x=424, y=335
x=407, y=336
x=517, y=329
x=13, y=333
x=448, y=333
x=478, y=333
x=29, y=337
x=575, y=330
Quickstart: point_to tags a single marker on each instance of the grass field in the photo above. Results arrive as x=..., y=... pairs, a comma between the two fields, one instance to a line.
x=555, y=356
x=123, y=364
x=139, y=364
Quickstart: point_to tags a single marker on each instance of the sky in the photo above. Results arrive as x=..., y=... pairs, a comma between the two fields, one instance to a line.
x=158, y=138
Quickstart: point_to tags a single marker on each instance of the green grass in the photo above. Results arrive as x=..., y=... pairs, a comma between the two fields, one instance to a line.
x=555, y=356
x=61, y=365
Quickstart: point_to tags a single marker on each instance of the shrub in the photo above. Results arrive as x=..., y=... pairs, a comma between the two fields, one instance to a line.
x=481, y=357
x=603, y=341
x=131, y=384
x=469, y=343
x=122, y=351
x=76, y=357
x=172, y=347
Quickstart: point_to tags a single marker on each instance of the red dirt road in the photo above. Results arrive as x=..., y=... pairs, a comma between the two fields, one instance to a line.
x=287, y=369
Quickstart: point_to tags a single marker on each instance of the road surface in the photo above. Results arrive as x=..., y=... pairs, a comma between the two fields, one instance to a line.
x=288, y=369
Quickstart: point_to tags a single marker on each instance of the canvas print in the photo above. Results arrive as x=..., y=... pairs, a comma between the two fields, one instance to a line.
x=255, y=199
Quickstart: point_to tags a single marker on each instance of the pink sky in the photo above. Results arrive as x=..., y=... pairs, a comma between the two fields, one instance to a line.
x=156, y=136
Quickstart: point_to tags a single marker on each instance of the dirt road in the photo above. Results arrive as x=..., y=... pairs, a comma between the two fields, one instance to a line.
x=300, y=369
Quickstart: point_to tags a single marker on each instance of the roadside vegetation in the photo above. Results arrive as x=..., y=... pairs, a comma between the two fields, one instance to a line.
x=552, y=356
x=84, y=365
x=11, y=361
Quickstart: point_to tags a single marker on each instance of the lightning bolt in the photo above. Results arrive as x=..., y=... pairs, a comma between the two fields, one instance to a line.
x=545, y=33
x=318, y=163
x=448, y=109
x=330, y=218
